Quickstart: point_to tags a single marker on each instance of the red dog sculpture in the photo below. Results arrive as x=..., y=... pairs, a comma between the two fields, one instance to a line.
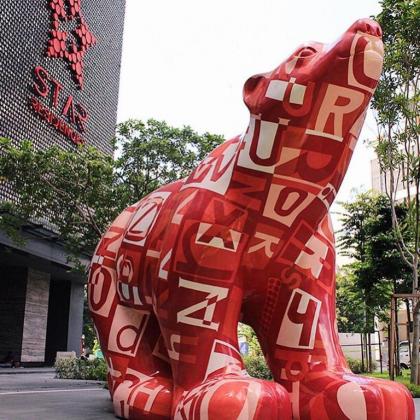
x=246, y=236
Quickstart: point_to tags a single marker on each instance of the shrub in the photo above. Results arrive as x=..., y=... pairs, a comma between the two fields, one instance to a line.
x=356, y=366
x=257, y=367
x=81, y=369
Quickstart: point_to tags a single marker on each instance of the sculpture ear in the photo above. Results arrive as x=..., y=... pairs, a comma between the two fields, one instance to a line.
x=252, y=90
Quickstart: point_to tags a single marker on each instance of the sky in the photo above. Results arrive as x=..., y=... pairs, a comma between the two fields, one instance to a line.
x=186, y=61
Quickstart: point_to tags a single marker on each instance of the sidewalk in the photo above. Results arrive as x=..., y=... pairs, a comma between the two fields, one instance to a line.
x=31, y=395
x=12, y=371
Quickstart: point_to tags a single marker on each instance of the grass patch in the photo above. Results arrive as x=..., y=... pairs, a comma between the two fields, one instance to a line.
x=403, y=379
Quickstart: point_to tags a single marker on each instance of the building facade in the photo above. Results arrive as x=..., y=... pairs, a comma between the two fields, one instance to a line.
x=60, y=68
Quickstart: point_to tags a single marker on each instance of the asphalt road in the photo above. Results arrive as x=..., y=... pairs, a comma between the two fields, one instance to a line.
x=35, y=396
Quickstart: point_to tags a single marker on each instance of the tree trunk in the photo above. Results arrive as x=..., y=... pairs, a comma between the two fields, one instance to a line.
x=414, y=377
x=380, y=350
x=409, y=326
x=389, y=347
x=362, y=352
x=369, y=345
x=397, y=343
x=365, y=344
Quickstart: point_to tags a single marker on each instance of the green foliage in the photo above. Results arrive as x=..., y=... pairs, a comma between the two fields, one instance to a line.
x=95, y=370
x=367, y=237
x=79, y=193
x=73, y=191
x=251, y=338
x=400, y=20
x=350, y=303
x=356, y=365
x=96, y=346
x=397, y=106
x=9, y=222
x=364, y=286
x=153, y=153
x=257, y=367
x=255, y=363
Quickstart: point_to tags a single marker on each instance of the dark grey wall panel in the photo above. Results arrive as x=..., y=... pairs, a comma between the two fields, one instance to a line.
x=12, y=309
x=24, y=27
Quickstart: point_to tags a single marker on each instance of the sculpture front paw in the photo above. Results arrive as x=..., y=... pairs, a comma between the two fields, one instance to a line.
x=143, y=397
x=347, y=396
x=234, y=397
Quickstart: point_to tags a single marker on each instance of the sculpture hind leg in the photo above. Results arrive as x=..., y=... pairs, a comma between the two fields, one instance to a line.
x=143, y=390
x=300, y=340
x=139, y=376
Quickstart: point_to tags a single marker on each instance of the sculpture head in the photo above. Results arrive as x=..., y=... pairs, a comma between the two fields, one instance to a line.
x=324, y=88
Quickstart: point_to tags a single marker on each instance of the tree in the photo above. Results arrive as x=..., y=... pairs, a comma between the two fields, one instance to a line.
x=254, y=361
x=79, y=193
x=367, y=237
x=396, y=102
x=350, y=303
x=365, y=286
x=251, y=338
x=153, y=154
x=357, y=308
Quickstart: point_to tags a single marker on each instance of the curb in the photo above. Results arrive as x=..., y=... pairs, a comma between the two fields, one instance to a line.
x=16, y=371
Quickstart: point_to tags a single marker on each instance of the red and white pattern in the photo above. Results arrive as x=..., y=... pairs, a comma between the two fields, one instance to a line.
x=246, y=236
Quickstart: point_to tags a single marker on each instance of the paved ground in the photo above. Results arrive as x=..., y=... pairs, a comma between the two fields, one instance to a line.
x=35, y=396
